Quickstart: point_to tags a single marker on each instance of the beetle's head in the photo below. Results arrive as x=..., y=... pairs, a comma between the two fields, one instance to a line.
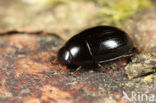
x=64, y=56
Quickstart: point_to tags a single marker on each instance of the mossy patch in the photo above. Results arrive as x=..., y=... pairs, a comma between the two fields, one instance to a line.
x=113, y=11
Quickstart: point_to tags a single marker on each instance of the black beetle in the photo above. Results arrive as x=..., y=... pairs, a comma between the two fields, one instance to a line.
x=96, y=45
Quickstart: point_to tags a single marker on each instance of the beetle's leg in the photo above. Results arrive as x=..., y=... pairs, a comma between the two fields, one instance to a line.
x=54, y=62
x=53, y=58
x=127, y=55
x=77, y=70
x=64, y=68
x=101, y=68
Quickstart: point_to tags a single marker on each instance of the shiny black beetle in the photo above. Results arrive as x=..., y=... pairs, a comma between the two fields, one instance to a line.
x=96, y=45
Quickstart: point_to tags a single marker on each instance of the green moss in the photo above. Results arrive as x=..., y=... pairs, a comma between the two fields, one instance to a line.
x=117, y=10
x=54, y=2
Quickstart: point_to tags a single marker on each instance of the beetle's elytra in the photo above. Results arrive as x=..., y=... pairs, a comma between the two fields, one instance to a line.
x=95, y=45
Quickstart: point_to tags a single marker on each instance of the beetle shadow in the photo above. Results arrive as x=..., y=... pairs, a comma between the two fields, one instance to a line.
x=83, y=69
x=102, y=67
x=75, y=68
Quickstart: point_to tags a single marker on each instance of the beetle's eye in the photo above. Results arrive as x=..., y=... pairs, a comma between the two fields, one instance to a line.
x=64, y=56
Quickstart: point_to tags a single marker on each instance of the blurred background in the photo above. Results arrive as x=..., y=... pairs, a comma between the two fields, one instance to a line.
x=66, y=17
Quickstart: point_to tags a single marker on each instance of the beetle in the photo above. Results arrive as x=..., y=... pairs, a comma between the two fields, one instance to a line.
x=96, y=45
